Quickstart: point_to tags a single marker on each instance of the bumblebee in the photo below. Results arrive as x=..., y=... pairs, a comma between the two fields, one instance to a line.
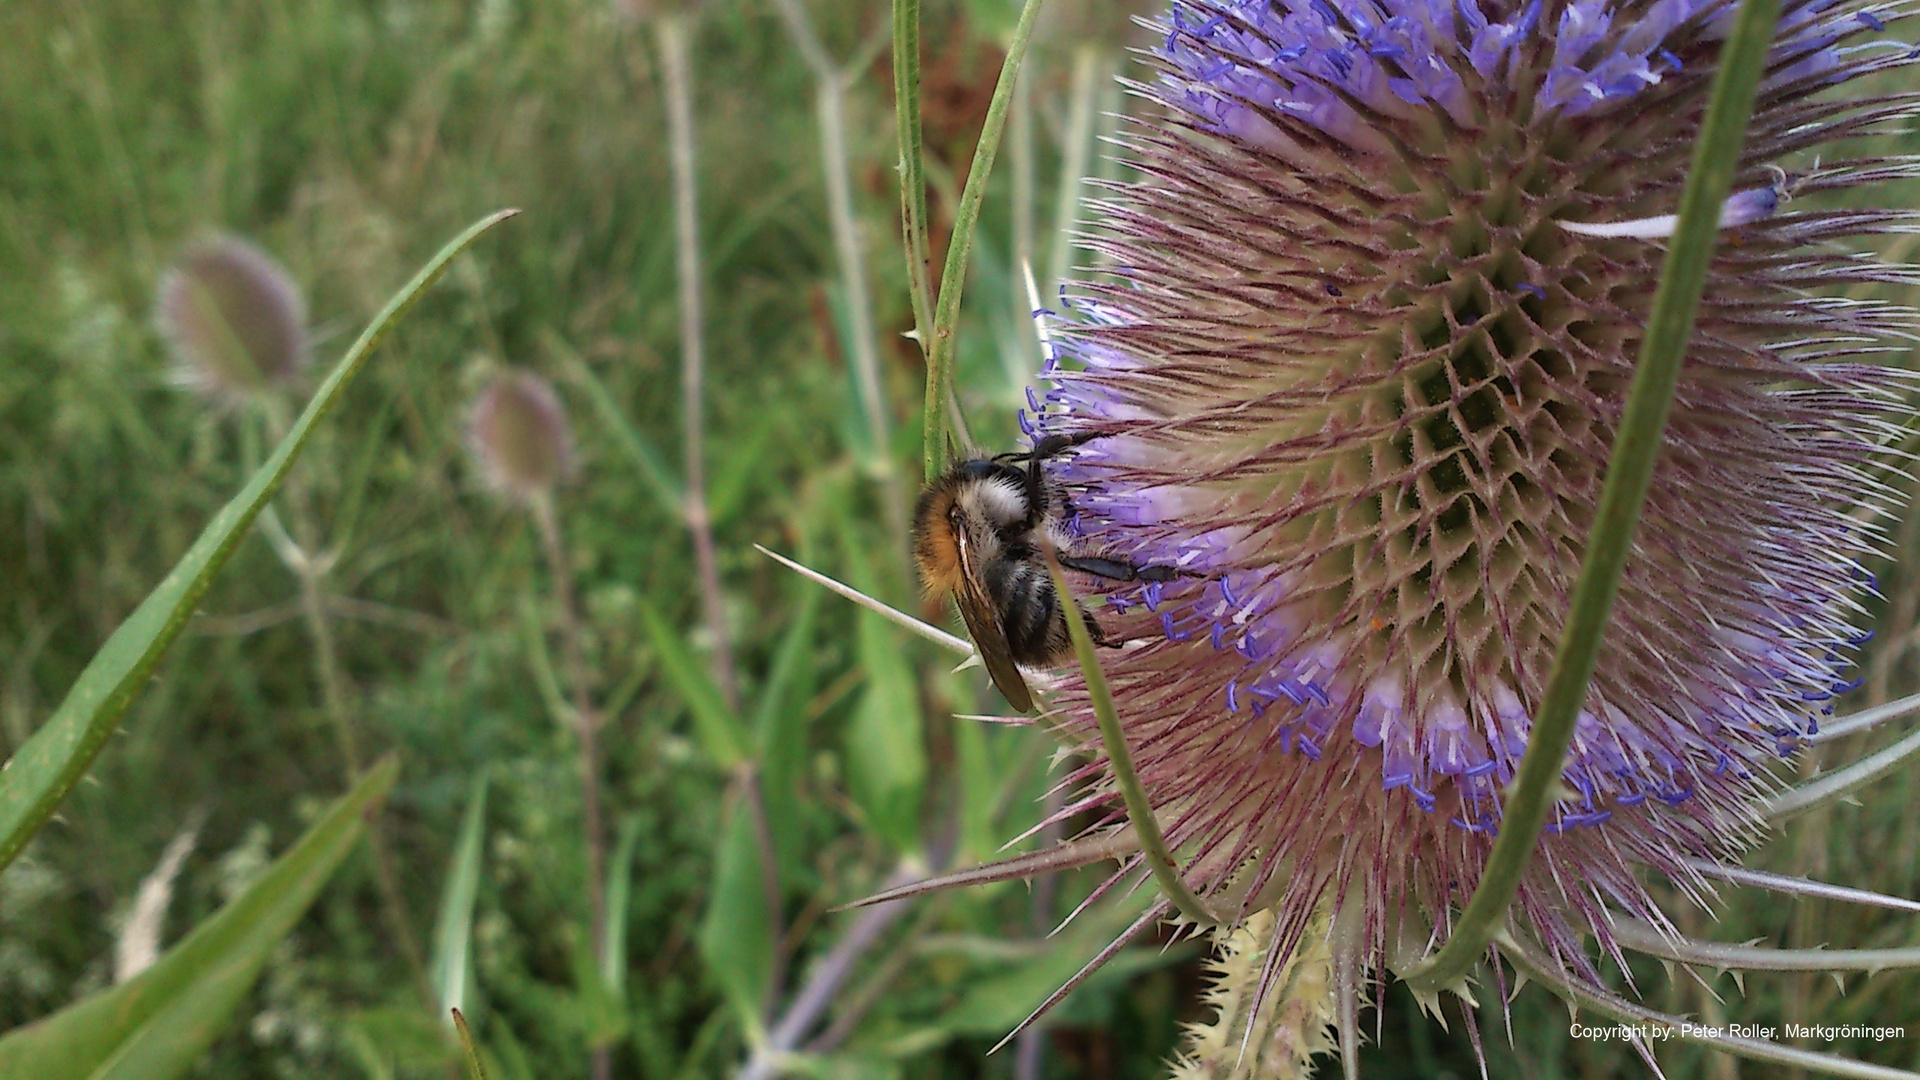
x=981, y=532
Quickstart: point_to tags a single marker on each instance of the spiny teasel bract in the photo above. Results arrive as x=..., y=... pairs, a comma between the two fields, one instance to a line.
x=1361, y=341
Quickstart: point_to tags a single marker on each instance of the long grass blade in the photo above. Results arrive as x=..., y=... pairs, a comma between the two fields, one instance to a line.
x=913, y=180
x=713, y=721
x=648, y=462
x=155, y=1025
x=452, y=962
x=613, y=956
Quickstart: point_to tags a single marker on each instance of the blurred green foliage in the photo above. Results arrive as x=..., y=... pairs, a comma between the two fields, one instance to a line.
x=350, y=138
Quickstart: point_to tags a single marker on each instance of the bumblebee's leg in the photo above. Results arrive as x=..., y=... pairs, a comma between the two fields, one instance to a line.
x=1051, y=445
x=1036, y=485
x=1116, y=570
x=1036, y=479
x=1094, y=631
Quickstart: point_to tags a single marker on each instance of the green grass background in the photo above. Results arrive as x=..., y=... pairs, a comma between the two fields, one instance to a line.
x=352, y=137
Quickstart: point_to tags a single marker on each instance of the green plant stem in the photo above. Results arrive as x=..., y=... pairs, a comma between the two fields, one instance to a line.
x=1636, y=449
x=586, y=721
x=831, y=82
x=586, y=726
x=946, y=312
x=753, y=802
x=677, y=76
x=311, y=572
x=1146, y=827
x=393, y=904
x=913, y=182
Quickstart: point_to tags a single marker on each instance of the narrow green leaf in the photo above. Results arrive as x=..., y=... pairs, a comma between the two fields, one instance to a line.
x=1716, y=157
x=509, y=1058
x=613, y=959
x=713, y=722
x=475, y=1070
x=154, y=1026
x=734, y=936
x=953, y=278
x=357, y=478
x=366, y=1053
x=590, y=1009
x=37, y=777
x=451, y=967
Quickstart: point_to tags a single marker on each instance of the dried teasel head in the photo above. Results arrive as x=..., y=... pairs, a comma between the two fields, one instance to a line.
x=518, y=434
x=233, y=319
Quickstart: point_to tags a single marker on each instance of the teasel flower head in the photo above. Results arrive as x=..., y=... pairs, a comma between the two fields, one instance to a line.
x=1369, y=317
x=518, y=434
x=233, y=319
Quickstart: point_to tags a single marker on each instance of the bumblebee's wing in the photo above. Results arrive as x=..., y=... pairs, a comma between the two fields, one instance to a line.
x=983, y=625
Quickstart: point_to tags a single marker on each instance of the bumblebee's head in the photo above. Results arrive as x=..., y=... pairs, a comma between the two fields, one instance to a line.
x=980, y=498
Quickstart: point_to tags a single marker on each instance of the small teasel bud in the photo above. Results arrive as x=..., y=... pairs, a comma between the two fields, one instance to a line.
x=1256, y=1035
x=518, y=434
x=233, y=319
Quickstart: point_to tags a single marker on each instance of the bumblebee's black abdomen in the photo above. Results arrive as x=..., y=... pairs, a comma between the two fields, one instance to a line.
x=1029, y=610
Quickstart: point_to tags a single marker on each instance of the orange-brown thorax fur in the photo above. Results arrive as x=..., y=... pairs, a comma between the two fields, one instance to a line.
x=934, y=547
